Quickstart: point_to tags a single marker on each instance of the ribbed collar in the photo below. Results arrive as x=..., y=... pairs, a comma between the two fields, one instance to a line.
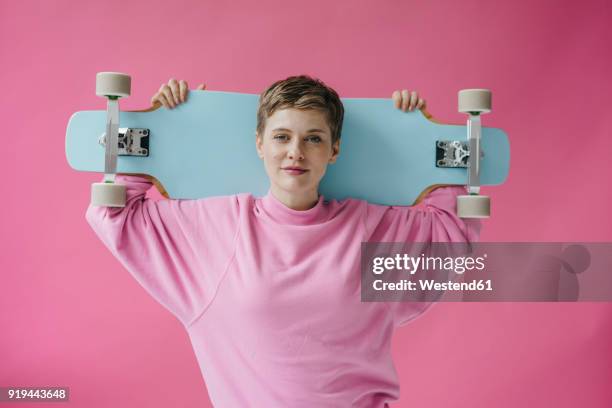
x=282, y=214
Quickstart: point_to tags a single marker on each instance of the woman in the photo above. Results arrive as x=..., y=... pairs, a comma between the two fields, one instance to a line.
x=268, y=288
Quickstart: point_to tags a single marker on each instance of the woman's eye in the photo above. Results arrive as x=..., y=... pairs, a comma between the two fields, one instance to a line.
x=314, y=139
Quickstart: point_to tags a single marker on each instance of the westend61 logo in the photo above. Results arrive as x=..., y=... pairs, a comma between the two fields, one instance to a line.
x=411, y=264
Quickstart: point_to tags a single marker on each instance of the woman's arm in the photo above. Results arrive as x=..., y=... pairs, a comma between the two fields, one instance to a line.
x=176, y=249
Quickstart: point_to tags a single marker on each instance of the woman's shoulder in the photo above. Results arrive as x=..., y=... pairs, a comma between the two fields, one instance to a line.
x=346, y=206
x=221, y=204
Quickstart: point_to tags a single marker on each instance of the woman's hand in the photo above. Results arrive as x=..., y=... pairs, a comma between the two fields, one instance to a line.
x=406, y=100
x=173, y=93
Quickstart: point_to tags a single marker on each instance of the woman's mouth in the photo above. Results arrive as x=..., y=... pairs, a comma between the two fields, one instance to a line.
x=295, y=172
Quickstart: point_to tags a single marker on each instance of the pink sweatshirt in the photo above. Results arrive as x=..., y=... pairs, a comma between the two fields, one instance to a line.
x=270, y=296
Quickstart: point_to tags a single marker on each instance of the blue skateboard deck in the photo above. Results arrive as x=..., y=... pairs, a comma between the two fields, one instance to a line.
x=387, y=156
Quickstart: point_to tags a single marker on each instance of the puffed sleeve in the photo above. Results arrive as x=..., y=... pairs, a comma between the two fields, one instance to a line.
x=178, y=250
x=434, y=219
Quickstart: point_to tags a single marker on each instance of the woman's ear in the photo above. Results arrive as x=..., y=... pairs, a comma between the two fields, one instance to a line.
x=335, y=151
x=259, y=145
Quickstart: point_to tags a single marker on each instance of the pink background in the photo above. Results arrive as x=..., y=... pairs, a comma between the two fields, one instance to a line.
x=70, y=315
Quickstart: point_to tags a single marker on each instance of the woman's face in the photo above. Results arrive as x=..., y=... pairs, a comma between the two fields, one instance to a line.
x=296, y=138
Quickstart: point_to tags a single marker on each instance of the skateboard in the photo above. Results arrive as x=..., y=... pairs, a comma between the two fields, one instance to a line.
x=206, y=147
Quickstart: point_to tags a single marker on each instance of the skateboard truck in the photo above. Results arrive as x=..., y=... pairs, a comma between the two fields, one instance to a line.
x=474, y=102
x=130, y=142
x=453, y=154
x=112, y=86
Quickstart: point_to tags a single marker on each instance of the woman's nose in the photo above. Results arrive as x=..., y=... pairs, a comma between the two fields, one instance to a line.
x=295, y=152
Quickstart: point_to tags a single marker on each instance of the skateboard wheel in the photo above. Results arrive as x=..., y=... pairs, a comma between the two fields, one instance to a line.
x=113, y=84
x=475, y=100
x=576, y=259
x=473, y=206
x=108, y=195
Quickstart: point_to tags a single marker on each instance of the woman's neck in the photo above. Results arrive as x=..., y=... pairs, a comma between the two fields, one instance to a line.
x=299, y=202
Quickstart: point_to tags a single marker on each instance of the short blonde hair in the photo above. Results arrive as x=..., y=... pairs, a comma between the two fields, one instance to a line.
x=302, y=92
